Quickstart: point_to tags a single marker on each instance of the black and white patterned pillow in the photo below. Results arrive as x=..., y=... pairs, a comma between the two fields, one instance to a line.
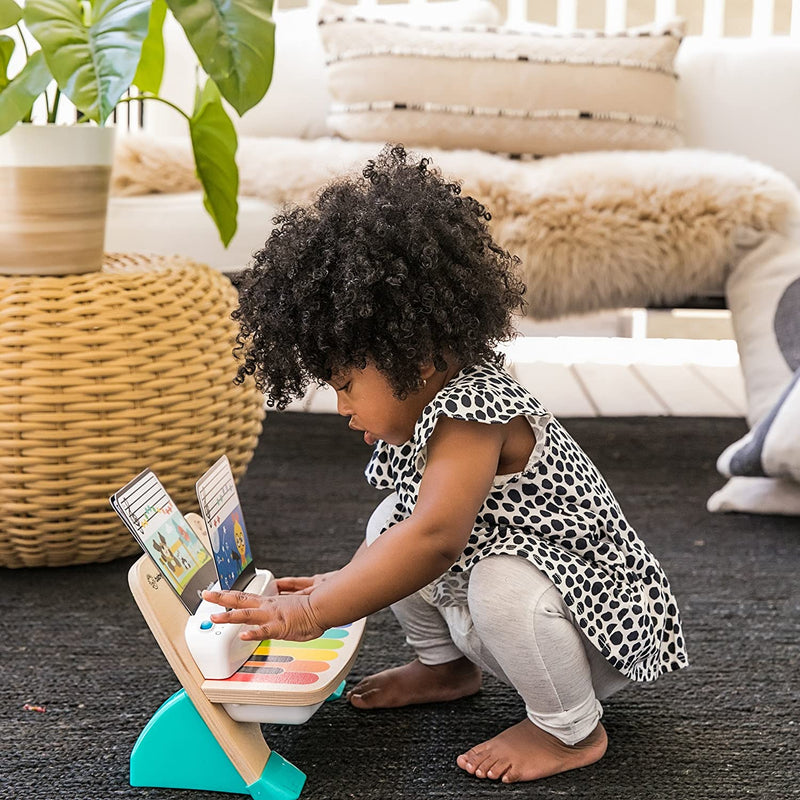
x=772, y=447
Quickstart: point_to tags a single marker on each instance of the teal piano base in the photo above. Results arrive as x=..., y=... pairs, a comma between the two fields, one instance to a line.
x=176, y=750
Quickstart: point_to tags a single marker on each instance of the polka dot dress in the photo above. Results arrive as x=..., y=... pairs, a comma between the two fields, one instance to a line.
x=559, y=514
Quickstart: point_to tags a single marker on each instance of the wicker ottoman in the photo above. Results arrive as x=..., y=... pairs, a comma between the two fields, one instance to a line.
x=101, y=375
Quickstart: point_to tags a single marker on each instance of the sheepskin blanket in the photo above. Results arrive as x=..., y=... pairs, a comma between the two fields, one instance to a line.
x=593, y=230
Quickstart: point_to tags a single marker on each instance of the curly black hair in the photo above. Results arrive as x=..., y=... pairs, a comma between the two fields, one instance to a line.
x=393, y=266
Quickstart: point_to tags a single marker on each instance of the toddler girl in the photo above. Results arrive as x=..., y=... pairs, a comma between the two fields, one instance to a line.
x=500, y=548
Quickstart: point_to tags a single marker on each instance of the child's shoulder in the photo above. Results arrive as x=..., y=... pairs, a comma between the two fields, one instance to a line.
x=484, y=392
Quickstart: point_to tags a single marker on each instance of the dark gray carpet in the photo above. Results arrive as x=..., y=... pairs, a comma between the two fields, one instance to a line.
x=73, y=641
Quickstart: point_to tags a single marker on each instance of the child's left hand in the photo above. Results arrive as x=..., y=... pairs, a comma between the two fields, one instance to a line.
x=286, y=616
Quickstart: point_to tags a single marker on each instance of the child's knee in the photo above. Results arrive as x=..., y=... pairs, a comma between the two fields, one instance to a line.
x=509, y=591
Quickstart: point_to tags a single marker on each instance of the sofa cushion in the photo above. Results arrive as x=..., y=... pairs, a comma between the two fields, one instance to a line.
x=740, y=95
x=526, y=92
x=167, y=224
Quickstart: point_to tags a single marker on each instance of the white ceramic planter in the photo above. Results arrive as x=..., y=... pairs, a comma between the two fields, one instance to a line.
x=54, y=182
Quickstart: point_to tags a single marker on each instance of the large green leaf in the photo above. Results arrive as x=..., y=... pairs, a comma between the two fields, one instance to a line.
x=94, y=60
x=214, y=143
x=10, y=14
x=6, y=51
x=151, y=65
x=16, y=99
x=235, y=42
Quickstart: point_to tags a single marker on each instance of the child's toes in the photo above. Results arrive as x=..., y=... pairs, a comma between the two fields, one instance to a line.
x=465, y=763
x=489, y=768
x=476, y=761
x=364, y=685
x=362, y=698
x=499, y=770
x=470, y=760
x=510, y=775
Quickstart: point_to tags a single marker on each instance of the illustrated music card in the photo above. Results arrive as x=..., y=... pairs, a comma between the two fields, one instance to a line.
x=222, y=512
x=158, y=525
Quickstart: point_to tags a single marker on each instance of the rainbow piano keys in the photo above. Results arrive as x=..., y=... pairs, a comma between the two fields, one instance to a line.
x=299, y=663
x=291, y=673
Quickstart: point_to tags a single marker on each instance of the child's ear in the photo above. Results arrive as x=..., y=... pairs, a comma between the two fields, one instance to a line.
x=427, y=371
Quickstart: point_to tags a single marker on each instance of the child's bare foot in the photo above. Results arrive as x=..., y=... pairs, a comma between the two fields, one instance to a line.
x=417, y=683
x=525, y=753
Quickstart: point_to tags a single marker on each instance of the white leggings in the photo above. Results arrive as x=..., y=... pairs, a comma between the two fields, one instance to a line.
x=517, y=627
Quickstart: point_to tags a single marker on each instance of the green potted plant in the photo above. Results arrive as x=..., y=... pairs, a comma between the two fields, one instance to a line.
x=93, y=52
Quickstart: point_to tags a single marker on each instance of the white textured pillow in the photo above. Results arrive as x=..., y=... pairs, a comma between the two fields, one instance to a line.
x=442, y=12
x=500, y=90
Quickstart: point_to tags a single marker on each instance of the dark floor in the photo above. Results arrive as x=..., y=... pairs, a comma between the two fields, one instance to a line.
x=72, y=640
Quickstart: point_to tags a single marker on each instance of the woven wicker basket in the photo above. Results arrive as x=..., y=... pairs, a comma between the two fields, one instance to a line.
x=102, y=375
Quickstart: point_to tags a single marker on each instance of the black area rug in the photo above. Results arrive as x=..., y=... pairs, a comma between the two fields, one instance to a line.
x=729, y=727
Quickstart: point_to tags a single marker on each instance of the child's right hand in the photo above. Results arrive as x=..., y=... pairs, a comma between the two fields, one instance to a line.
x=302, y=585
x=290, y=616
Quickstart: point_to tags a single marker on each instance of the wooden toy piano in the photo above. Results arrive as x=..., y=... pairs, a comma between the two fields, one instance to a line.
x=208, y=735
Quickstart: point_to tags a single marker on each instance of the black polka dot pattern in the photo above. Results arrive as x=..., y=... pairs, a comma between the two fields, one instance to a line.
x=559, y=514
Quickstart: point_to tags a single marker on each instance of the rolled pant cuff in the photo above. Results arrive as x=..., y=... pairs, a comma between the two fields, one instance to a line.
x=434, y=653
x=571, y=726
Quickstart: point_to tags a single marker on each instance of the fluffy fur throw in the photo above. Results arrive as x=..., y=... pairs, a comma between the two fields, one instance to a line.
x=593, y=230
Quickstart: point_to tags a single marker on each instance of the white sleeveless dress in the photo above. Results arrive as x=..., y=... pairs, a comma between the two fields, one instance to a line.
x=559, y=514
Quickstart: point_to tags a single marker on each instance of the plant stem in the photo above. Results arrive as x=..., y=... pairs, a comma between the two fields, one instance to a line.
x=29, y=116
x=148, y=96
x=54, y=112
x=22, y=39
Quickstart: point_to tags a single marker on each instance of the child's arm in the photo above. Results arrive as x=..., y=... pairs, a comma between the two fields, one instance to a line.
x=461, y=464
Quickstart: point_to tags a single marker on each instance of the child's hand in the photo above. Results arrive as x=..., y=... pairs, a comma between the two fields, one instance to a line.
x=288, y=616
x=302, y=585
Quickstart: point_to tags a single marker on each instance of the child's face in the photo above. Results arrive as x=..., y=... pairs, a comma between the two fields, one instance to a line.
x=366, y=396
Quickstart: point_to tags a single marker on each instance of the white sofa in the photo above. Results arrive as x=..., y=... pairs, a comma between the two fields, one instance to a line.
x=737, y=102
x=735, y=95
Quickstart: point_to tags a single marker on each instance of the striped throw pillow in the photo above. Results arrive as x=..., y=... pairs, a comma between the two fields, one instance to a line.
x=525, y=93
